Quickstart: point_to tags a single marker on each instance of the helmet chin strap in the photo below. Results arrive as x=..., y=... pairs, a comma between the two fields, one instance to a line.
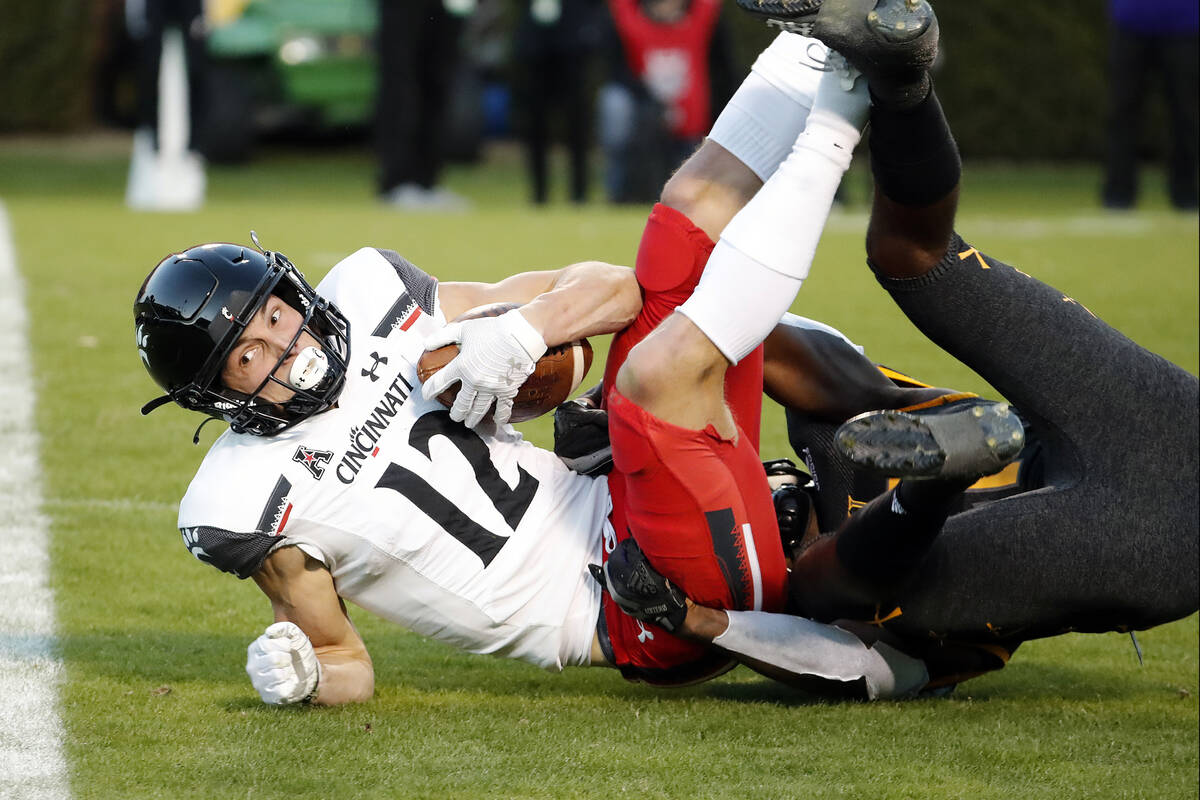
x=196, y=435
x=157, y=402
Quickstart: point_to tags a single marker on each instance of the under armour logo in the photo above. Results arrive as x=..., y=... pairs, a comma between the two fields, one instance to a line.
x=370, y=373
x=645, y=634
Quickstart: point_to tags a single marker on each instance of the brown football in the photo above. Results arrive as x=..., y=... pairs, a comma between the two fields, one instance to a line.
x=556, y=374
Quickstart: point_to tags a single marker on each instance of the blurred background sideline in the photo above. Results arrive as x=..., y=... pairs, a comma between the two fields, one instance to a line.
x=1027, y=85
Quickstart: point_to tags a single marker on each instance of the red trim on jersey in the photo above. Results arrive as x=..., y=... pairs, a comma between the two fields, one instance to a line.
x=408, y=323
x=287, y=512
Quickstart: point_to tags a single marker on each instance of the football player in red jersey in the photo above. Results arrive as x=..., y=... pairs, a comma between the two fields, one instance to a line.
x=1100, y=531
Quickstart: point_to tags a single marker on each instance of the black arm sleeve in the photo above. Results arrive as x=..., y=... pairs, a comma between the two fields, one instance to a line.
x=239, y=553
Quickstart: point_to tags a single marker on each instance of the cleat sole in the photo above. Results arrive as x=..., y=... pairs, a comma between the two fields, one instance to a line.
x=948, y=442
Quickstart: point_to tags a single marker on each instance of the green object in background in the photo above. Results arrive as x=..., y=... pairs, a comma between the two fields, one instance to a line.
x=284, y=63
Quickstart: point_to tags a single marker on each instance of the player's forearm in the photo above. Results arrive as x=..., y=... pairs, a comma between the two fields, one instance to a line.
x=815, y=657
x=587, y=299
x=344, y=679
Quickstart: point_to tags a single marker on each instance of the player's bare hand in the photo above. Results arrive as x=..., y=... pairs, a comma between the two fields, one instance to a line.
x=496, y=355
x=282, y=665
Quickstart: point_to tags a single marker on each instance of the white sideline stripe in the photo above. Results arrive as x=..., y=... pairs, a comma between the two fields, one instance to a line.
x=31, y=732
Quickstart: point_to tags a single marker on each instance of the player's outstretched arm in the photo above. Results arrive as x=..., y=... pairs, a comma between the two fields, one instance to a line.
x=312, y=653
x=497, y=354
x=813, y=656
x=585, y=299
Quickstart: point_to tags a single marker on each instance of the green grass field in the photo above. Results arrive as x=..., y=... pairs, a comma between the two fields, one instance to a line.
x=155, y=702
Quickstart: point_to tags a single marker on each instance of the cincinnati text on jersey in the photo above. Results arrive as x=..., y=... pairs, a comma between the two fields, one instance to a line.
x=364, y=437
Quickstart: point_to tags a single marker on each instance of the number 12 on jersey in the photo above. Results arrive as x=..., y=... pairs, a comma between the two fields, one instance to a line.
x=512, y=503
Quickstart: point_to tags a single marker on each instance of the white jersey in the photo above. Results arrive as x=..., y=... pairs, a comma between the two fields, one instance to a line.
x=478, y=539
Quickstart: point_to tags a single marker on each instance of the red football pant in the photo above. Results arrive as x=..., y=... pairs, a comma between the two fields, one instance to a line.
x=697, y=504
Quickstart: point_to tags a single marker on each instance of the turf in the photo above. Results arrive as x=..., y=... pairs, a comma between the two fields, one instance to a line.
x=156, y=703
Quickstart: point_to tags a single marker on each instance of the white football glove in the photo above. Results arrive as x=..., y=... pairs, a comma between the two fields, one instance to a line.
x=282, y=665
x=496, y=355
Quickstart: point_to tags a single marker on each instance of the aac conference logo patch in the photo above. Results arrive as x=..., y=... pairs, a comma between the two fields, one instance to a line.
x=313, y=460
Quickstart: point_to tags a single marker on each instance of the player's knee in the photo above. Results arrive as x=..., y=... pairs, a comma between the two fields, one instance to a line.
x=675, y=361
x=644, y=375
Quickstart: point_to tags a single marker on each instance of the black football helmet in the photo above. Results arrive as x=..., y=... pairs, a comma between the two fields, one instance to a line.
x=193, y=307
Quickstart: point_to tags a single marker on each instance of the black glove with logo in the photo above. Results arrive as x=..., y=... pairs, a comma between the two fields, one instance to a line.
x=638, y=589
x=581, y=438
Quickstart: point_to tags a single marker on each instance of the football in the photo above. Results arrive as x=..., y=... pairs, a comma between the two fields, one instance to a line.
x=556, y=374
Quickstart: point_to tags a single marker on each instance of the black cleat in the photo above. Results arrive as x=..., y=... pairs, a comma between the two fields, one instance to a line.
x=893, y=43
x=963, y=440
x=794, y=16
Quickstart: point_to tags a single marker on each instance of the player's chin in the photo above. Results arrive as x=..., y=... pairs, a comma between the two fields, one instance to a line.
x=277, y=392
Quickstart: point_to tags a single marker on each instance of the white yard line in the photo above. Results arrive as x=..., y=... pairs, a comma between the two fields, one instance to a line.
x=31, y=733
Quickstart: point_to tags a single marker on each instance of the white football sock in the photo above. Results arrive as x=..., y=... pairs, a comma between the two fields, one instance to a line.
x=765, y=252
x=761, y=121
x=804, y=647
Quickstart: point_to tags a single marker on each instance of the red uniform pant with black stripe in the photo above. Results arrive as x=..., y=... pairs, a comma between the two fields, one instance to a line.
x=697, y=504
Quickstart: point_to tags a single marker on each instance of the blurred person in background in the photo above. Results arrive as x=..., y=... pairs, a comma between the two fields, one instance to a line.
x=1152, y=38
x=166, y=171
x=418, y=54
x=669, y=66
x=552, y=51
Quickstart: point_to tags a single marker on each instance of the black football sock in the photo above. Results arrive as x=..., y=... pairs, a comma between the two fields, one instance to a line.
x=891, y=535
x=914, y=156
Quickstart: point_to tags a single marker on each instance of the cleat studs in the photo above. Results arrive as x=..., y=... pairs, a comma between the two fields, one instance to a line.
x=977, y=411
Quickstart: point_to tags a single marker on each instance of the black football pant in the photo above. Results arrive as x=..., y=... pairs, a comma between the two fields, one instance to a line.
x=418, y=55
x=553, y=81
x=1110, y=540
x=147, y=31
x=1135, y=61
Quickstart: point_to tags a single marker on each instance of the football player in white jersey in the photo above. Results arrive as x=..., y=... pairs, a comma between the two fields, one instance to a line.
x=334, y=453
x=342, y=479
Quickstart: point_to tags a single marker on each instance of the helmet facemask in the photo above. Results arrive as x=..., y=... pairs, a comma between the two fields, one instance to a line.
x=248, y=413
x=322, y=321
